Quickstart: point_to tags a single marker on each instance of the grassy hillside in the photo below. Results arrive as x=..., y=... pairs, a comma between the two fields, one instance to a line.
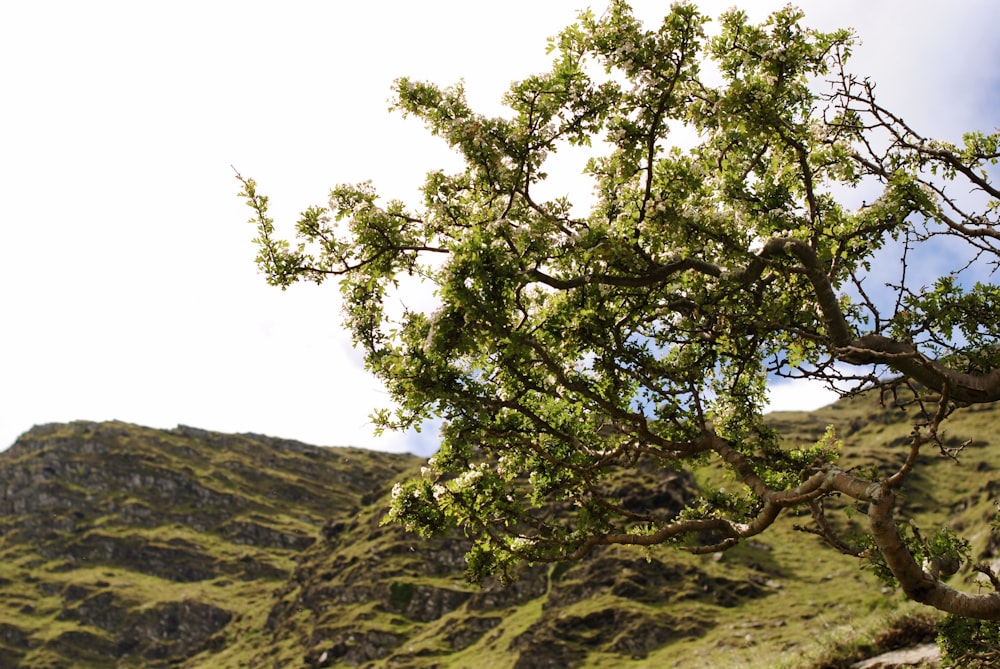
x=120, y=544
x=124, y=546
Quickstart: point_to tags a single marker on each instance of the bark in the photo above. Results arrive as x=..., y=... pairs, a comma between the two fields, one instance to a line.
x=918, y=584
x=907, y=360
x=873, y=349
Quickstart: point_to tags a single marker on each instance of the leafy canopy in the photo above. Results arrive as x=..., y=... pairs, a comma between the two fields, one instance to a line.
x=561, y=347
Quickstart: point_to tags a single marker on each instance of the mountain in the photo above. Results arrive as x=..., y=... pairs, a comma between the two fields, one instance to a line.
x=124, y=546
x=144, y=547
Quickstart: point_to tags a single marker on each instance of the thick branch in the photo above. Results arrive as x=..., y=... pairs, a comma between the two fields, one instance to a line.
x=903, y=357
x=654, y=276
x=906, y=359
x=720, y=526
x=918, y=584
x=833, y=316
x=728, y=531
x=915, y=582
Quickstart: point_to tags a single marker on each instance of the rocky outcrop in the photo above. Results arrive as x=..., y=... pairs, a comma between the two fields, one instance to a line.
x=927, y=655
x=163, y=631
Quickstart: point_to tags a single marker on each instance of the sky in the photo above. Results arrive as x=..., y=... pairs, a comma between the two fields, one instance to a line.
x=127, y=284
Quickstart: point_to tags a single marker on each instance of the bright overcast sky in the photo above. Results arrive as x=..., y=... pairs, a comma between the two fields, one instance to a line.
x=127, y=283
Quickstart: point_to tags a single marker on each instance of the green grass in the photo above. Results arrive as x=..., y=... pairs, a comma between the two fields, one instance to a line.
x=812, y=605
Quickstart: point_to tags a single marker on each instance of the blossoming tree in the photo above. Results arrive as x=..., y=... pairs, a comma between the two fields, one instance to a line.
x=562, y=347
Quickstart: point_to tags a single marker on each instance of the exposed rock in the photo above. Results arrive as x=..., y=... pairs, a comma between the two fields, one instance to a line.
x=176, y=563
x=255, y=534
x=165, y=630
x=13, y=636
x=469, y=630
x=532, y=583
x=928, y=655
x=103, y=610
x=424, y=603
x=651, y=581
x=84, y=646
x=630, y=633
x=352, y=647
x=174, y=629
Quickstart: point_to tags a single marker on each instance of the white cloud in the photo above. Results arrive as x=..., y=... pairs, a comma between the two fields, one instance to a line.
x=128, y=288
x=799, y=395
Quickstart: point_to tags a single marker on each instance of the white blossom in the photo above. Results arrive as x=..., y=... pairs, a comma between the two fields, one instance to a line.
x=521, y=543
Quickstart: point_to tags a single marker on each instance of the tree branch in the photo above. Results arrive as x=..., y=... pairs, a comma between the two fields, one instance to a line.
x=918, y=584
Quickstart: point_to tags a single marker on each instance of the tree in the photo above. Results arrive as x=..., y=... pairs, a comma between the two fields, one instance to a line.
x=562, y=347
